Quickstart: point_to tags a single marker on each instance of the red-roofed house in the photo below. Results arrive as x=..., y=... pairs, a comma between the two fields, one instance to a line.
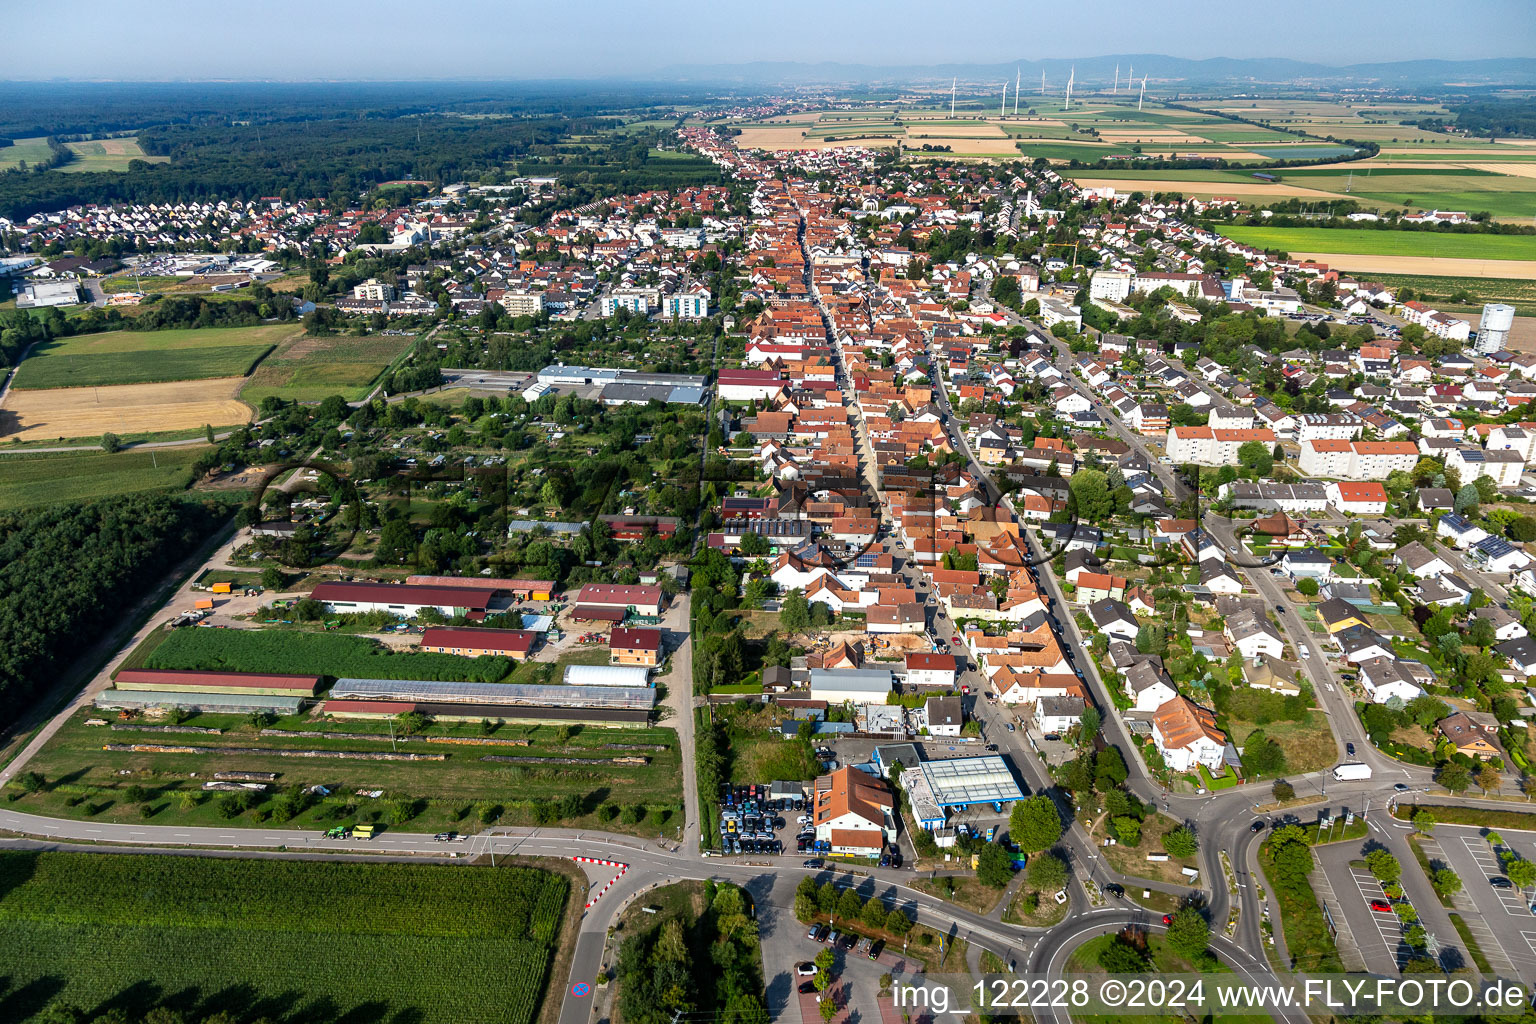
x=930, y=670
x=1363, y=499
x=516, y=644
x=634, y=647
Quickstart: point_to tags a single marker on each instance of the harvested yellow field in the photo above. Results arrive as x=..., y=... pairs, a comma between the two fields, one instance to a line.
x=791, y=138
x=124, y=409
x=1522, y=270
x=1518, y=170
x=999, y=147
x=1203, y=188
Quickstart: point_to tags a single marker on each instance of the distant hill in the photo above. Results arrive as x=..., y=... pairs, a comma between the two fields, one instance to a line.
x=1473, y=74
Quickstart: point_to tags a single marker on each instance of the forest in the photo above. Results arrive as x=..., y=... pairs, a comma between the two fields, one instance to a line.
x=339, y=158
x=33, y=109
x=1497, y=118
x=69, y=573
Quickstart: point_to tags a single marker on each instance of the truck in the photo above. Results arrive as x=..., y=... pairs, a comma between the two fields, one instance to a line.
x=1351, y=771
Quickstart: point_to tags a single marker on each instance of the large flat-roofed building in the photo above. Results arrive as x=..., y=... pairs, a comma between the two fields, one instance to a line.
x=962, y=782
x=850, y=685
x=131, y=699
x=431, y=691
x=516, y=644
x=271, y=684
x=38, y=294
x=403, y=599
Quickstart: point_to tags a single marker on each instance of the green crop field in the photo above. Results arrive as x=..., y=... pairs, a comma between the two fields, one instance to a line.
x=318, y=941
x=108, y=155
x=28, y=151
x=149, y=357
x=1362, y=242
x=321, y=654
x=46, y=478
x=313, y=369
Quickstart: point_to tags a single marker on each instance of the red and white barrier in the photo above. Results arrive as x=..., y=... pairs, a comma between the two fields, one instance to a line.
x=598, y=894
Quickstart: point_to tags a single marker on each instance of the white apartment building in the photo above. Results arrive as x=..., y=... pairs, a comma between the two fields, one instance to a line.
x=1206, y=447
x=1356, y=460
x=1343, y=426
x=689, y=305
x=374, y=290
x=1113, y=285
x=523, y=303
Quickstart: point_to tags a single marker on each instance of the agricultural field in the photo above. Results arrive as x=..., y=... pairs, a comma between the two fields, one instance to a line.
x=1386, y=242
x=95, y=155
x=239, y=936
x=1474, y=291
x=129, y=409
x=518, y=774
x=149, y=357
x=323, y=654
x=313, y=369
x=27, y=151
x=44, y=478
x=108, y=155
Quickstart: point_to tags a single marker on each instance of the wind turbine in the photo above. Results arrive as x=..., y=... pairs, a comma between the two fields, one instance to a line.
x=1016, y=73
x=1071, y=77
x=1130, y=76
x=1042, y=81
x=1143, y=93
x=1117, y=80
x=952, y=82
x=1003, y=112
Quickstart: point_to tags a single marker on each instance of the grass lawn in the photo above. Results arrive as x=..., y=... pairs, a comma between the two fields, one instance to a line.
x=460, y=943
x=28, y=151
x=1365, y=242
x=968, y=892
x=45, y=478
x=148, y=357
x=83, y=779
x=313, y=369
x=1308, y=744
x=1451, y=815
x=1047, y=911
x=1132, y=860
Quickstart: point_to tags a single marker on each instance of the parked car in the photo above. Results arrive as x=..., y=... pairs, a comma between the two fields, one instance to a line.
x=807, y=987
x=1500, y=882
x=805, y=969
x=1381, y=906
x=874, y=950
x=811, y=864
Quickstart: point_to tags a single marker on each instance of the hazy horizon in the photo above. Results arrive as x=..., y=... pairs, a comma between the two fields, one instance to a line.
x=480, y=40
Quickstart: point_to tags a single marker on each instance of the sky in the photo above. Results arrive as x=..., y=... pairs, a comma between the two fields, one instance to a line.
x=394, y=40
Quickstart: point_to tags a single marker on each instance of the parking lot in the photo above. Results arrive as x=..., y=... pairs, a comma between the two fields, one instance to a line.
x=1367, y=912
x=1501, y=918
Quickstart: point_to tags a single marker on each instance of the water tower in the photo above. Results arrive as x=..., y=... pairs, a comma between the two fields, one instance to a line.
x=1493, y=334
